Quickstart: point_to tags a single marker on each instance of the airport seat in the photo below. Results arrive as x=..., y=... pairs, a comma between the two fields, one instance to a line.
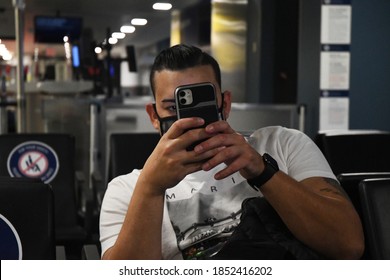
x=356, y=151
x=375, y=200
x=129, y=151
x=350, y=183
x=51, y=158
x=26, y=220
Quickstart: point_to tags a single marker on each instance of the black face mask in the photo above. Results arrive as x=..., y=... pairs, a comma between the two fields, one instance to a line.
x=166, y=122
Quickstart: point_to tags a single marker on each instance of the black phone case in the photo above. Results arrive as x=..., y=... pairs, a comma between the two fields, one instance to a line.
x=204, y=104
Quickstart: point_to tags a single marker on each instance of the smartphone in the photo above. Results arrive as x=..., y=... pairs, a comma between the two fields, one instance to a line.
x=197, y=100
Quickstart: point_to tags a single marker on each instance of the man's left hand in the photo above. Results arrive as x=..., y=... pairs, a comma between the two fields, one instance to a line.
x=234, y=151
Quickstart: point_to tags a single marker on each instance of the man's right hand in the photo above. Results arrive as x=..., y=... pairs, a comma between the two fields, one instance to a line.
x=170, y=161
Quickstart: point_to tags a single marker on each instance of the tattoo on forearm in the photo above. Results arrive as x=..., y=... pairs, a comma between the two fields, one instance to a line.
x=337, y=188
x=329, y=190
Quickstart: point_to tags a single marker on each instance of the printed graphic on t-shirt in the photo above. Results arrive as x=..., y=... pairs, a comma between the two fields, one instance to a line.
x=205, y=220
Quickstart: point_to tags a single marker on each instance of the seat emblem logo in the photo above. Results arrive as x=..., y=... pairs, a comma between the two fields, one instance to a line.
x=33, y=159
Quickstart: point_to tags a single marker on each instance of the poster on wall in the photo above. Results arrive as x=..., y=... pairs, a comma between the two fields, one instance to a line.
x=335, y=59
x=336, y=24
x=334, y=70
x=334, y=112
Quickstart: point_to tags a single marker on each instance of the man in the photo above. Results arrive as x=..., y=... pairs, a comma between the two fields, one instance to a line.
x=185, y=204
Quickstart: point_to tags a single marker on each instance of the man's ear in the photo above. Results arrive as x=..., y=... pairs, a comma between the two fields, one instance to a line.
x=227, y=104
x=153, y=116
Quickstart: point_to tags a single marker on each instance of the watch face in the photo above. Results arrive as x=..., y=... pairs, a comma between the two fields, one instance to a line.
x=271, y=167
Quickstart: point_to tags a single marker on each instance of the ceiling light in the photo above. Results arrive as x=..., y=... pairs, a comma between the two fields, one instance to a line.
x=139, y=21
x=7, y=56
x=127, y=29
x=98, y=50
x=112, y=41
x=162, y=6
x=118, y=35
x=4, y=52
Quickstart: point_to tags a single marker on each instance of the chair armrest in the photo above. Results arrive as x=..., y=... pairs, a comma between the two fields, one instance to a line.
x=98, y=190
x=90, y=252
x=60, y=252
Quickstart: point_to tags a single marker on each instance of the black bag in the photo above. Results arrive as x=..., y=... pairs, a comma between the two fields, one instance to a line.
x=262, y=234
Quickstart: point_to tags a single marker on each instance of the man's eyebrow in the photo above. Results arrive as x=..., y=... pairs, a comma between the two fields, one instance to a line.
x=168, y=100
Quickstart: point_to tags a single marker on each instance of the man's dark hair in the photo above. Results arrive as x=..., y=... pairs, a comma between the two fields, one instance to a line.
x=180, y=57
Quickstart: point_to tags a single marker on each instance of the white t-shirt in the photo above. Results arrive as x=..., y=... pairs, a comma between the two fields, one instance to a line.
x=201, y=212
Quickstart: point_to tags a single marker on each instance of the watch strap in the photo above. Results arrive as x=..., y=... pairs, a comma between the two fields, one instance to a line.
x=270, y=168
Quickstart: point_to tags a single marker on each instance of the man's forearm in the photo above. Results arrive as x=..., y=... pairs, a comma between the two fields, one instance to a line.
x=324, y=220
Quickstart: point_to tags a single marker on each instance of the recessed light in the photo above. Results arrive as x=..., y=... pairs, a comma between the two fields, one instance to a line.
x=127, y=29
x=139, y=21
x=98, y=50
x=118, y=35
x=112, y=41
x=162, y=6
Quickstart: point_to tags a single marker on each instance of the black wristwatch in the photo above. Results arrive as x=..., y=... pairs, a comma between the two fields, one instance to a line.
x=271, y=167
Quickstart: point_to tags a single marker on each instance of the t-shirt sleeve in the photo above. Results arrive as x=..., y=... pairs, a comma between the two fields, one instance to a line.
x=114, y=209
x=303, y=158
x=297, y=155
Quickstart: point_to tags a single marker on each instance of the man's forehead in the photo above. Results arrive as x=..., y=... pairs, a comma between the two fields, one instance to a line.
x=166, y=81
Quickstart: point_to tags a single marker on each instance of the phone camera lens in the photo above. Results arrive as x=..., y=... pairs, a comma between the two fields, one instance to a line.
x=182, y=93
x=183, y=101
